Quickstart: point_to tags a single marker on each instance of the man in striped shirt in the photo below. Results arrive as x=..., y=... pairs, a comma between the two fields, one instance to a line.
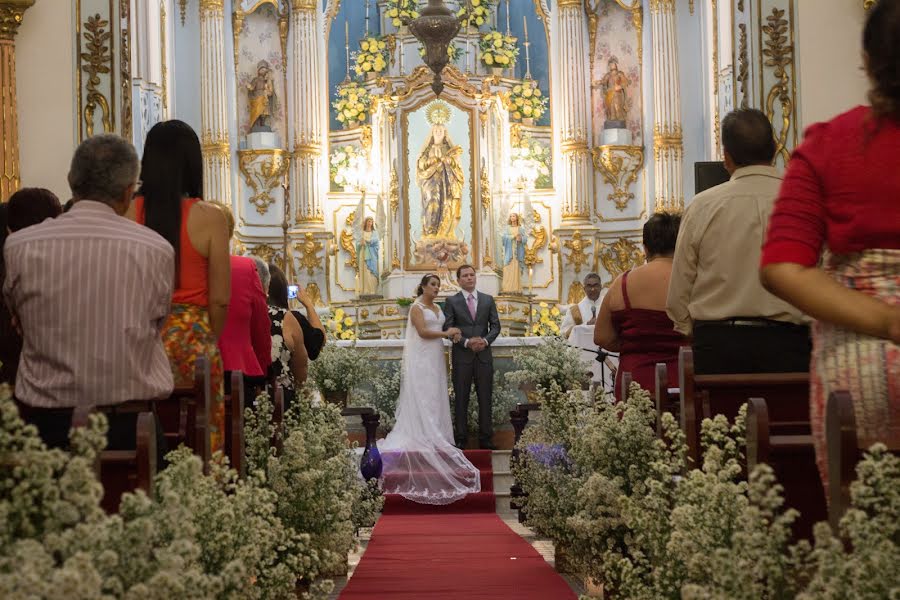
x=90, y=291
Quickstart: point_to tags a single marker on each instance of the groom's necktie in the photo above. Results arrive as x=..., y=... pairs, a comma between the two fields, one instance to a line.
x=471, y=302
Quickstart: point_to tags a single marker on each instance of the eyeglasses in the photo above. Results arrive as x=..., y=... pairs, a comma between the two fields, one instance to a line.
x=591, y=285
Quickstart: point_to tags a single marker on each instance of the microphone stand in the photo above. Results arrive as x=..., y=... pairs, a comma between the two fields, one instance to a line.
x=602, y=356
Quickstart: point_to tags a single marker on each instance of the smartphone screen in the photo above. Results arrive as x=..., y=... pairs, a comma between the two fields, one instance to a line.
x=292, y=291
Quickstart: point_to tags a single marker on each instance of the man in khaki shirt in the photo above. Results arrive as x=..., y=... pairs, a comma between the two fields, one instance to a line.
x=715, y=294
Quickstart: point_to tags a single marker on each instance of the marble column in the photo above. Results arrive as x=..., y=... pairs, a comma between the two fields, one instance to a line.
x=668, y=146
x=214, y=103
x=573, y=114
x=11, y=12
x=307, y=100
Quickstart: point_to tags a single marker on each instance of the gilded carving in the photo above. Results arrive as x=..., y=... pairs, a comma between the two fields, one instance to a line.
x=164, y=67
x=125, y=62
x=182, y=9
x=576, y=292
x=867, y=4
x=347, y=243
x=212, y=5
x=96, y=53
x=422, y=77
x=365, y=133
x=314, y=293
x=620, y=256
x=539, y=234
x=779, y=53
x=309, y=253
x=262, y=176
x=387, y=311
x=394, y=191
x=620, y=166
x=577, y=256
x=743, y=64
x=303, y=4
x=485, y=189
x=395, y=259
x=268, y=254
x=741, y=5
x=10, y=18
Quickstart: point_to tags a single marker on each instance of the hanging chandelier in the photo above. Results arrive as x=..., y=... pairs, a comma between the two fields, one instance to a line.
x=435, y=28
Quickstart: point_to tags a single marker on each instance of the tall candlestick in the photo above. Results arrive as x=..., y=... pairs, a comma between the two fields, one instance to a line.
x=526, y=44
x=524, y=23
x=367, y=18
x=347, y=45
x=507, y=17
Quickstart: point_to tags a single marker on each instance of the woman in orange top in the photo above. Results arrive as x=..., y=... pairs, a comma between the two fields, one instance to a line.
x=171, y=203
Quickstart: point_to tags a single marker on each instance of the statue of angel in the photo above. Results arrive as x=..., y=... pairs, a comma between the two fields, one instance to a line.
x=514, y=241
x=368, y=248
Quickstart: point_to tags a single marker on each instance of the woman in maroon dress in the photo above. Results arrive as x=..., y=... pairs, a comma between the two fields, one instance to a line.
x=633, y=319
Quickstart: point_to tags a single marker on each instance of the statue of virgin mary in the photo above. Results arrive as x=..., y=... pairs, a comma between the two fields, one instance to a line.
x=440, y=177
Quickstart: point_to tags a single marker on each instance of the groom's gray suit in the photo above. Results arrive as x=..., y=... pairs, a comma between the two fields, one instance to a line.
x=469, y=366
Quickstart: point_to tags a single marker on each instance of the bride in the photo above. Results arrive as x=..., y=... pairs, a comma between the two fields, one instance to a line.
x=420, y=461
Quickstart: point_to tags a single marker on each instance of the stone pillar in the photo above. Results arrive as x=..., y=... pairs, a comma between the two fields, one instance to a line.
x=306, y=106
x=11, y=12
x=668, y=147
x=573, y=113
x=214, y=103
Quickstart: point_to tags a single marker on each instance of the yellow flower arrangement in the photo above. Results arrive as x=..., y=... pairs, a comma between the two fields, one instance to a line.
x=372, y=56
x=340, y=326
x=498, y=50
x=397, y=9
x=527, y=101
x=352, y=104
x=545, y=320
x=476, y=13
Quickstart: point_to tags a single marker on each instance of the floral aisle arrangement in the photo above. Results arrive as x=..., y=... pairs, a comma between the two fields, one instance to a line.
x=475, y=13
x=552, y=361
x=398, y=9
x=382, y=395
x=498, y=50
x=341, y=369
x=546, y=320
x=339, y=163
x=339, y=325
x=526, y=101
x=352, y=104
x=372, y=56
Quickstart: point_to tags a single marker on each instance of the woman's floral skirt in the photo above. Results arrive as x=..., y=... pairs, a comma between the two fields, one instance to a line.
x=187, y=335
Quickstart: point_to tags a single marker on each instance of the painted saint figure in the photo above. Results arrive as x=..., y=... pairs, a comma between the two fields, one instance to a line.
x=514, y=240
x=368, y=246
x=614, y=85
x=440, y=178
x=261, y=94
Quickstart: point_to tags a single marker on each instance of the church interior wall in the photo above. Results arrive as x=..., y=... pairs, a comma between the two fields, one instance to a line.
x=694, y=67
x=186, y=75
x=830, y=65
x=45, y=80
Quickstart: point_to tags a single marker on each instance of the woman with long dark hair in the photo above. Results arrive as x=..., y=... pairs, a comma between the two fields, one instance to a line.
x=170, y=202
x=310, y=324
x=289, y=358
x=840, y=201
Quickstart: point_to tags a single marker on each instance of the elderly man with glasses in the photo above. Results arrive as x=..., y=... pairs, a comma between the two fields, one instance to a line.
x=585, y=312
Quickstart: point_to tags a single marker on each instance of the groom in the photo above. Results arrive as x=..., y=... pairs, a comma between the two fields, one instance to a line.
x=475, y=314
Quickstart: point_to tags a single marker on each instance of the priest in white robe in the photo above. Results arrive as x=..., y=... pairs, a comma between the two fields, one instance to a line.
x=586, y=311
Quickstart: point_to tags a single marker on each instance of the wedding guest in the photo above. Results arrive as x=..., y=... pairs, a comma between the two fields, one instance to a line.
x=633, y=319
x=26, y=207
x=91, y=290
x=841, y=194
x=737, y=326
x=246, y=342
x=585, y=312
x=170, y=202
x=290, y=360
x=312, y=328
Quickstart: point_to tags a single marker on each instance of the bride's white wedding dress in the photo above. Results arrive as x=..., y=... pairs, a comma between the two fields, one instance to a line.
x=420, y=461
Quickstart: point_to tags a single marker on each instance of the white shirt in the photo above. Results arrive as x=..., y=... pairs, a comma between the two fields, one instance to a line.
x=585, y=307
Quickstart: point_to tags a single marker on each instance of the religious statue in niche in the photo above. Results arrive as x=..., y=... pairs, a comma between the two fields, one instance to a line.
x=614, y=85
x=514, y=241
x=440, y=177
x=261, y=94
x=367, y=243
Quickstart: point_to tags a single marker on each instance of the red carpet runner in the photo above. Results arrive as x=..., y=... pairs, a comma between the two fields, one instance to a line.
x=458, y=552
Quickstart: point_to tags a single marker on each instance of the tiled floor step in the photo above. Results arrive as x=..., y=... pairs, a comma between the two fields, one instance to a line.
x=500, y=460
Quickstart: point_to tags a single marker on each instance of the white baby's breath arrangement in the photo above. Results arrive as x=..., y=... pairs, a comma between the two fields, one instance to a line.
x=553, y=360
x=341, y=369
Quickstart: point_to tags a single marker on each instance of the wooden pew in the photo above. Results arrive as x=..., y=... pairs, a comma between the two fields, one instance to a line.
x=704, y=396
x=185, y=414
x=234, y=424
x=122, y=471
x=667, y=399
x=787, y=447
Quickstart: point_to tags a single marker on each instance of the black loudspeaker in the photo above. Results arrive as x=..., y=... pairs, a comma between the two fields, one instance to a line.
x=709, y=174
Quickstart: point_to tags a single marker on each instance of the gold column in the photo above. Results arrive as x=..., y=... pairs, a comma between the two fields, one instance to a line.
x=213, y=103
x=11, y=12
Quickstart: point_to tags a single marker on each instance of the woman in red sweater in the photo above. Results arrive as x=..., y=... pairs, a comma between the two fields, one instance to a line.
x=842, y=192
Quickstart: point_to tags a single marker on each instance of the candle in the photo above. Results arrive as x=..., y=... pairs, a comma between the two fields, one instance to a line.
x=525, y=26
x=367, y=18
x=507, y=17
x=346, y=32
